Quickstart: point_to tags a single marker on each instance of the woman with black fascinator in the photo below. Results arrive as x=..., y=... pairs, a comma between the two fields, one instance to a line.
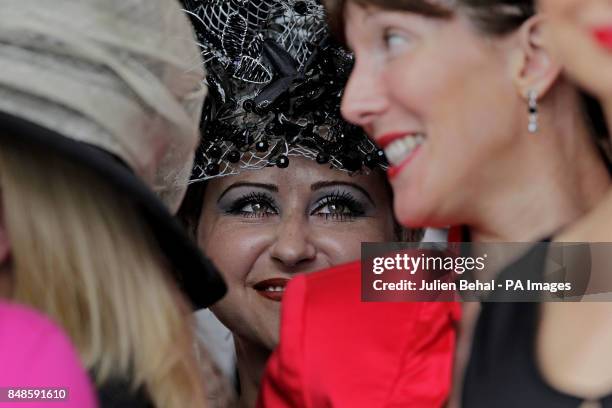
x=282, y=184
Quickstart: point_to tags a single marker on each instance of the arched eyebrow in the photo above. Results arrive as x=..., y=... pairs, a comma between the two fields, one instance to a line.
x=332, y=183
x=270, y=187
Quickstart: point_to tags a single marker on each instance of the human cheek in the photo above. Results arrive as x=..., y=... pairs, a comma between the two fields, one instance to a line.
x=234, y=249
x=342, y=243
x=237, y=251
x=556, y=8
x=377, y=229
x=406, y=82
x=339, y=248
x=422, y=92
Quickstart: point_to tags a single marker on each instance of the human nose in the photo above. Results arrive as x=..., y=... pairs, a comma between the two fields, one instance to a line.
x=364, y=97
x=292, y=246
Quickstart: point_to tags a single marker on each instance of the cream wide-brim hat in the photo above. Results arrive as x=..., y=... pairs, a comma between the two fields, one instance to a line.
x=116, y=86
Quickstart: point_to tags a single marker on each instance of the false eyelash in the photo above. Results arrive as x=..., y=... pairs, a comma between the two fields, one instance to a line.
x=344, y=198
x=251, y=198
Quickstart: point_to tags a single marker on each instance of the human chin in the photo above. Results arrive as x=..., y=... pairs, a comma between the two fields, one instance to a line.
x=263, y=325
x=413, y=209
x=272, y=330
x=431, y=193
x=264, y=317
x=409, y=190
x=411, y=201
x=249, y=316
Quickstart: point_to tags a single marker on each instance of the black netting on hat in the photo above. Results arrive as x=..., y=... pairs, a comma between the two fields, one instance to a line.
x=275, y=80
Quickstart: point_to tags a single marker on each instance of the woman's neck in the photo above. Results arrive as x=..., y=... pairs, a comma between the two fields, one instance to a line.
x=557, y=180
x=595, y=226
x=251, y=360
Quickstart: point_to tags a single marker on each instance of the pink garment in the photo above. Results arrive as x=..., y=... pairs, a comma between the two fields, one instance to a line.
x=35, y=353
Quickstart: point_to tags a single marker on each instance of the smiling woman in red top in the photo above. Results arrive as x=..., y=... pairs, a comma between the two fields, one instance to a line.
x=263, y=227
x=282, y=185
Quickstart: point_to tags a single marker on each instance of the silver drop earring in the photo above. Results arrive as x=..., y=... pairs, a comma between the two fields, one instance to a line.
x=532, y=97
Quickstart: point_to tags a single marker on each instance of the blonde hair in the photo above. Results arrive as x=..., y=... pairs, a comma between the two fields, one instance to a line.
x=82, y=254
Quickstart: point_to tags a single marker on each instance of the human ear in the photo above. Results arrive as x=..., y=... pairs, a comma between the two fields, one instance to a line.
x=534, y=69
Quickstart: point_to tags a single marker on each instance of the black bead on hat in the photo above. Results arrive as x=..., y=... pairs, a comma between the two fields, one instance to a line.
x=275, y=85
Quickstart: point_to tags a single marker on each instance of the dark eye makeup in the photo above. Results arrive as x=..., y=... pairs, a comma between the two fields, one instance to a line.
x=253, y=205
x=339, y=206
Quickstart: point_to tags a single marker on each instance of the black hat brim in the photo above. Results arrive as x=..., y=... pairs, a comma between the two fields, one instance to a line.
x=195, y=274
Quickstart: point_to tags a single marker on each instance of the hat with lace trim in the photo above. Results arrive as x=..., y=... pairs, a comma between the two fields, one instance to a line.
x=116, y=86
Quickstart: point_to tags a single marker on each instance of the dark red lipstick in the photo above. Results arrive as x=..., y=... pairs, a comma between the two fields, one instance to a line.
x=269, y=288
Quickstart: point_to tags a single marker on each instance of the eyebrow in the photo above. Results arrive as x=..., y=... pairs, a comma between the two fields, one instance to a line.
x=332, y=183
x=269, y=187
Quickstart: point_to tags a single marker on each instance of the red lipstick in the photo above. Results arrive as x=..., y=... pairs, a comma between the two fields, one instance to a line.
x=388, y=138
x=269, y=288
x=603, y=36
